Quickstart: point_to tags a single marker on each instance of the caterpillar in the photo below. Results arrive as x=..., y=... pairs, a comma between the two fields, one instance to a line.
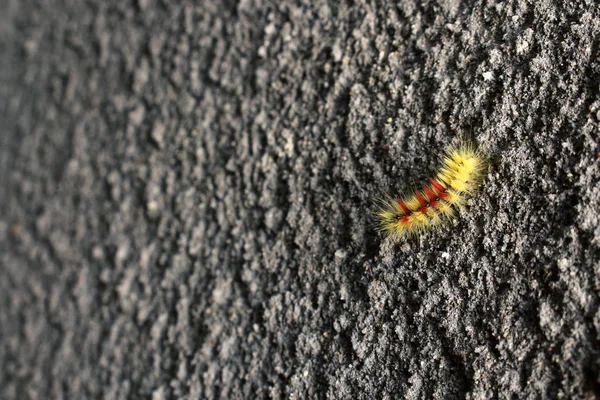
x=461, y=174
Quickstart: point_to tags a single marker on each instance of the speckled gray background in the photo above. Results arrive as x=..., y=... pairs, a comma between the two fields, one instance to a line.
x=186, y=189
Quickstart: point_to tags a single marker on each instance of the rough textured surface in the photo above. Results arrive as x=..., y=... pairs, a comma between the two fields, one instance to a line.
x=186, y=193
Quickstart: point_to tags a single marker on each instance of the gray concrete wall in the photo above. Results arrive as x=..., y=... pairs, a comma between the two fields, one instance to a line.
x=187, y=189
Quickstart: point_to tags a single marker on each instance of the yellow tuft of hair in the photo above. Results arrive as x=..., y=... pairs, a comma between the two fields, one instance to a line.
x=463, y=169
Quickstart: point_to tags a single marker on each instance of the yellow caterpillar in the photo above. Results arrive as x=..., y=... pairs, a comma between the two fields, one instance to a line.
x=463, y=168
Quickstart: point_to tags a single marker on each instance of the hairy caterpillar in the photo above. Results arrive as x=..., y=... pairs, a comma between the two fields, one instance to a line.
x=463, y=168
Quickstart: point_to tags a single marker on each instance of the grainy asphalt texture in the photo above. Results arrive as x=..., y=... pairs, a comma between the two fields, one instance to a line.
x=186, y=197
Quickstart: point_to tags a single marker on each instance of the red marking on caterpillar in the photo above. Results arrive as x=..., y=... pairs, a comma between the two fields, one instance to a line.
x=436, y=185
x=404, y=206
